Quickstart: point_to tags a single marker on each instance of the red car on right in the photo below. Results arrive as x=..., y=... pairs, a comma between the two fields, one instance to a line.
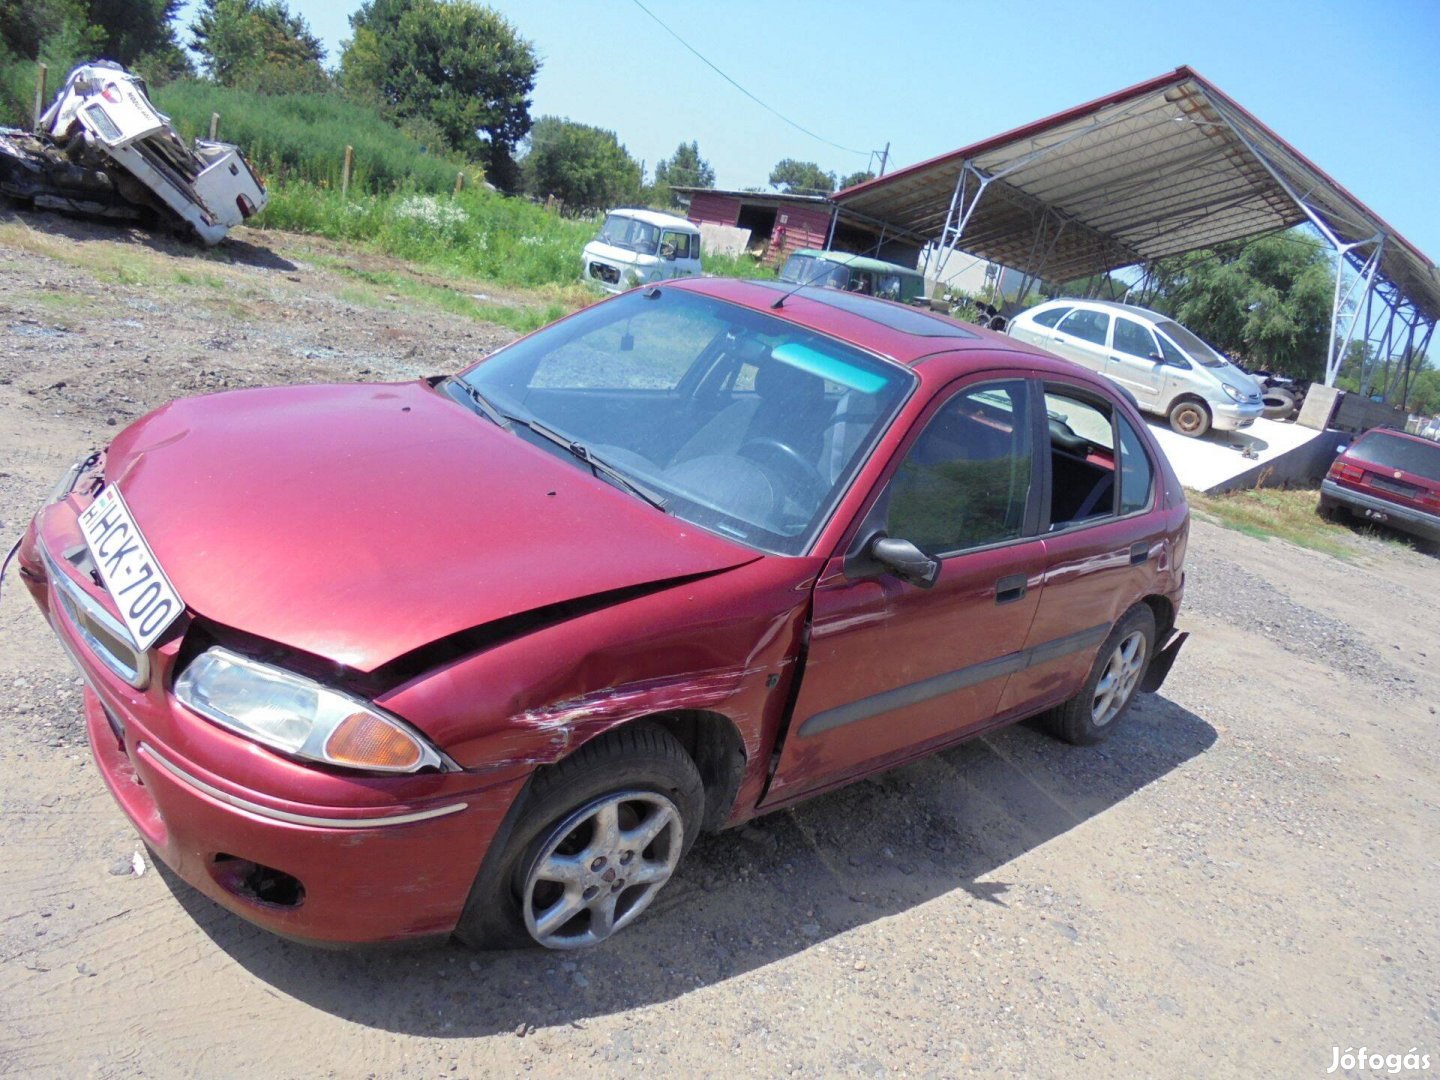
x=1389, y=477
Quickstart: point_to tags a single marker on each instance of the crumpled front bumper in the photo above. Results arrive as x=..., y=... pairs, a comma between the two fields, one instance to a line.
x=357, y=858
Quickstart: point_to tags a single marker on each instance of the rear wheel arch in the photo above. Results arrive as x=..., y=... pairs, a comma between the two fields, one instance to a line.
x=1164, y=612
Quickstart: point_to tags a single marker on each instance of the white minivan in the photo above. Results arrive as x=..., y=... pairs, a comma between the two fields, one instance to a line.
x=1169, y=370
x=638, y=246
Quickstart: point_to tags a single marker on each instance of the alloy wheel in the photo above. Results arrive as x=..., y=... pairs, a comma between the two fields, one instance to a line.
x=1119, y=679
x=601, y=867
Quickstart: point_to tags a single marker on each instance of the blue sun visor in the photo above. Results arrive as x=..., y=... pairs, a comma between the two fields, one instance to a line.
x=831, y=368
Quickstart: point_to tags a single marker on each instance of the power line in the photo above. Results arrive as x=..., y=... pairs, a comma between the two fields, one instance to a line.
x=747, y=93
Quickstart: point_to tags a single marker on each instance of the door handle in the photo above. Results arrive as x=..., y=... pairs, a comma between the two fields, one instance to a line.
x=1139, y=552
x=1009, y=589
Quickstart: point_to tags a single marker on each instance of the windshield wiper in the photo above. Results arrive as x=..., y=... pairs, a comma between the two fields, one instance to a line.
x=481, y=402
x=598, y=466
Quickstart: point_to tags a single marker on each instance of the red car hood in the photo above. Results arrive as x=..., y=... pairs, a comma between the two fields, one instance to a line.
x=360, y=522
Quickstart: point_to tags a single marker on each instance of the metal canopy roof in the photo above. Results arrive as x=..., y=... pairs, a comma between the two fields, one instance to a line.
x=1164, y=167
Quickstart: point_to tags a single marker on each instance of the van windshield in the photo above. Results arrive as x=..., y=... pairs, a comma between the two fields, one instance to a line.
x=1198, y=350
x=628, y=232
x=812, y=271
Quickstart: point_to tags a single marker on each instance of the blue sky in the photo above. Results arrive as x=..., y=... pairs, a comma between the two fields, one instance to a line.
x=1354, y=86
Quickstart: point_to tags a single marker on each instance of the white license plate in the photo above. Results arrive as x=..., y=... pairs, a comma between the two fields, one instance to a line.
x=148, y=603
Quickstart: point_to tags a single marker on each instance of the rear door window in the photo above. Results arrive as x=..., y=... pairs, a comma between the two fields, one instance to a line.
x=1051, y=317
x=1082, y=458
x=1086, y=325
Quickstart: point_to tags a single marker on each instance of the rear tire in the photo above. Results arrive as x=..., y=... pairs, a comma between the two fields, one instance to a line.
x=628, y=780
x=1190, y=418
x=1097, y=710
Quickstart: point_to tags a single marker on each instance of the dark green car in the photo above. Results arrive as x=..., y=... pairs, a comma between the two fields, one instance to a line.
x=854, y=273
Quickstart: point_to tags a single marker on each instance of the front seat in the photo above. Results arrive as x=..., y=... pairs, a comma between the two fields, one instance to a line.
x=788, y=405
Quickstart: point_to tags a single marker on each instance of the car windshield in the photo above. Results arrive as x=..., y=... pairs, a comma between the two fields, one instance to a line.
x=741, y=423
x=1202, y=353
x=1390, y=452
x=628, y=232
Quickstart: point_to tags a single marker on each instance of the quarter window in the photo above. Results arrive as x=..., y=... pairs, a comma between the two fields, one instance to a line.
x=966, y=479
x=1086, y=325
x=1136, y=472
x=1132, y=338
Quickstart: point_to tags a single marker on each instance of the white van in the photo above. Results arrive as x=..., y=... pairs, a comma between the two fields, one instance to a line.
x=639, y=246
x=1169, y=370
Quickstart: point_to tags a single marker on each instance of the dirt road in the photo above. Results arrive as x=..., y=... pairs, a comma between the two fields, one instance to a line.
x=1243, y=879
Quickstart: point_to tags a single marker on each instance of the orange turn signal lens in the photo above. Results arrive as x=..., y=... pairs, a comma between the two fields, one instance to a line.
x=364, y=741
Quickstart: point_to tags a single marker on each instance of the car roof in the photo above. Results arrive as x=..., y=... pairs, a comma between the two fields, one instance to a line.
x=1110, y=305
x=654, y=217
x=860, y=262
x=887, y=328
x=1407, y=436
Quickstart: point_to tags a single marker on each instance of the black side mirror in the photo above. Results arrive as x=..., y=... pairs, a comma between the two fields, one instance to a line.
x=905, y=561
x=1156, y=357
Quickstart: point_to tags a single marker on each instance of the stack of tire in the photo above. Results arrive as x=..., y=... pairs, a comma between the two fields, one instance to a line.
x=1282, y=397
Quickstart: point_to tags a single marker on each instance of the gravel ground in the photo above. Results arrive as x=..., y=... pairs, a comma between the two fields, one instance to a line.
x=1244, y=877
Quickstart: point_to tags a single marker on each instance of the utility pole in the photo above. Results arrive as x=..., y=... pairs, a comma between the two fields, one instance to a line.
x=884, y=157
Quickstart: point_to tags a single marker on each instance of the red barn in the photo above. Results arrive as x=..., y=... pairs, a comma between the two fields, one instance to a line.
x=779, y=224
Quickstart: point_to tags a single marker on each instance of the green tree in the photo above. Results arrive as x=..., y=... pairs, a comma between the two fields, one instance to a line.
x=856, y=178
x=801, y=178
x=1265, y=303
x=25, y=25
x=458, y=66
x=686, y=168
x=1424, y=390
x=258, y=45
x=584, y=166
x=137, y=33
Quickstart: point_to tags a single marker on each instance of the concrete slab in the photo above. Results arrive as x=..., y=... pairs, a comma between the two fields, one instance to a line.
x=1266, y=452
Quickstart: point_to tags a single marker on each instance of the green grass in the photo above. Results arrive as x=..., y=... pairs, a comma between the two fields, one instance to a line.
x=391, y=287
x=303, y=137
x=737, y=266
x=477, y=234
x=1267, y=513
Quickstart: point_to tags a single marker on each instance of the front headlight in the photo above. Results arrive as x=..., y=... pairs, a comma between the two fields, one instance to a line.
x=1235, y=395
x=300, y=717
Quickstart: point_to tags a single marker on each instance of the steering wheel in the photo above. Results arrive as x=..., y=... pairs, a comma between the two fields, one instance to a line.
x=810, y=486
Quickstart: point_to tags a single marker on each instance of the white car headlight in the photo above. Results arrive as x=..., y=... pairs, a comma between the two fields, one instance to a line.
x=300, y=717
x=1235, y=395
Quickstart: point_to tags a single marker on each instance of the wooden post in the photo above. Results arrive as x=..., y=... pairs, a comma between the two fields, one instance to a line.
x=40, y=92
x=459, y=182
x=214, y=126
x=345, y=175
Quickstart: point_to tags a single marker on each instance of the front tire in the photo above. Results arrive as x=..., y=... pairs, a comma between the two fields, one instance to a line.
x=598, y=837
x=1097, y=710
x=1190, y=418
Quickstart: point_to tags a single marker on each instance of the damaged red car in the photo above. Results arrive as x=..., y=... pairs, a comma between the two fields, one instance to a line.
x=484, y=654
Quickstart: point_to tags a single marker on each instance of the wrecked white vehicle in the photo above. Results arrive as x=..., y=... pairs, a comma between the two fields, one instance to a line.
x=102, y=149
